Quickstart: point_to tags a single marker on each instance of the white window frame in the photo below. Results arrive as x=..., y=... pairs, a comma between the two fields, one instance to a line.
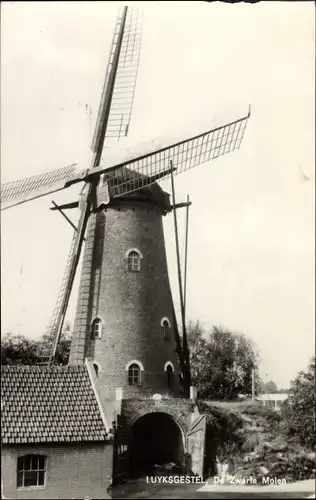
x=166, y=332
x=168, y=363
x=21, y=472
x=141, y=372
x=170, y=382
x=134, y=265
x=96, y=321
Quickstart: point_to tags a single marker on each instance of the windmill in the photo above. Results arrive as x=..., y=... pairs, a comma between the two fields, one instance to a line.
x=127, y=177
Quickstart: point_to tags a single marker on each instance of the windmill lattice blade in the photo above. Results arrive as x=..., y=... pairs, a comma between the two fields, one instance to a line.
x=14, y=193
x=126, y=76
x=141, y=171
x=54, y=322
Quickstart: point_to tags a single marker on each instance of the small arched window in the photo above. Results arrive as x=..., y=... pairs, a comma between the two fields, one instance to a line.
x=165, y=324
x=31, y=470
x=169, y=369
x=134, y=374
x=169, y=377
x=96, y=369
x=133, y=261
x=96, y=328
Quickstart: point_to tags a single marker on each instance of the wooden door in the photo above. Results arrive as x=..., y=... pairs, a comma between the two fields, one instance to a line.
x=196, y=437
x=121, y=470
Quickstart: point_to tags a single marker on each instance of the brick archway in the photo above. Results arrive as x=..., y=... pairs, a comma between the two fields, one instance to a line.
x=133, y=410
x=156, y=438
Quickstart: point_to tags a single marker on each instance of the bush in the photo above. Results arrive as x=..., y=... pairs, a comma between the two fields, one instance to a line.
x=224, y=436
x=299, y=413
x=249, y=439
x=294, y=467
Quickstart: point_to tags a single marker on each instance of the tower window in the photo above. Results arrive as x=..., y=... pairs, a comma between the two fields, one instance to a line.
x=165, y=324
x=133, y=261
x=96, y=369
x=96, y=329
x=134, y=374
x=31, y=470
x=169, y=369
x=169, y=376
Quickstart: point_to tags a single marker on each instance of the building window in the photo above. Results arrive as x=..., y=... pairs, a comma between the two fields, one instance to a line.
x=169, y=369
x=134, y=374
x=96, y=369
x=31, y=471
x=165, y=324
x=96, y=328
x=169, y=377
x=134, y=371
x=133, y=262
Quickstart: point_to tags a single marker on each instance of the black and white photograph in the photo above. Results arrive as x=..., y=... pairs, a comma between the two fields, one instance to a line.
x=157, y=249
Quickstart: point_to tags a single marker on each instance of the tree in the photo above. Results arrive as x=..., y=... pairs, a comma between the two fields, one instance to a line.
x=221, y=363
x=270, y=387
x=19, y=350
x=197, y=347
x=283, y=391
x=300, y=408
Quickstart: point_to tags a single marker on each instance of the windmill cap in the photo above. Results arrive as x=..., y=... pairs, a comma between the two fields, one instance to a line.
x=151, y=194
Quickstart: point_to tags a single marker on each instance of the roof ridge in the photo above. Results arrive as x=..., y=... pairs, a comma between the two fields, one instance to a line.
x=44, y=367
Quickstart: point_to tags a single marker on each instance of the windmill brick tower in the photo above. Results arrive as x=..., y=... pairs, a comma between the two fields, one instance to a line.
x=124, y=318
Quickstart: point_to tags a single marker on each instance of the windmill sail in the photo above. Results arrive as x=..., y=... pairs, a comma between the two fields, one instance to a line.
x=58, y=310
x=141, y=171
x=126, y=75
x=132, y=170
x=58, y=318
x=16, y=192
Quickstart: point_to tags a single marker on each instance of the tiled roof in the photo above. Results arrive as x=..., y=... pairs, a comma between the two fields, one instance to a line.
x=49, y=404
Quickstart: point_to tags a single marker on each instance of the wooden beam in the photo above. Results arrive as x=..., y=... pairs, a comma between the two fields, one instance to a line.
x=181, y=205
x=186, y=255
x=154, y=178
x=64, y=215
x=65, y=206
x=56, y=207
x=75, y=204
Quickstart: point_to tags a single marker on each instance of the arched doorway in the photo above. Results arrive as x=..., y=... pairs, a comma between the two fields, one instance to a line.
x=156, y=439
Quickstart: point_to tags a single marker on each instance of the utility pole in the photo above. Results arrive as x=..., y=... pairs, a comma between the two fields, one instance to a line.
x=253, y=384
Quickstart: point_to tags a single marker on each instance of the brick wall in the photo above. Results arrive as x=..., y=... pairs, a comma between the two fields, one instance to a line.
x=131, y=305
x=73, y=471
x=181, y=410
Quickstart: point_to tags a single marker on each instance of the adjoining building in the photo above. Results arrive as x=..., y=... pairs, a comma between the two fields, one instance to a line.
x=273, y=401
x=55, y=439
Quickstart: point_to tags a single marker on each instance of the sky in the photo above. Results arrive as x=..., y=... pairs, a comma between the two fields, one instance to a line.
x=251, y=266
